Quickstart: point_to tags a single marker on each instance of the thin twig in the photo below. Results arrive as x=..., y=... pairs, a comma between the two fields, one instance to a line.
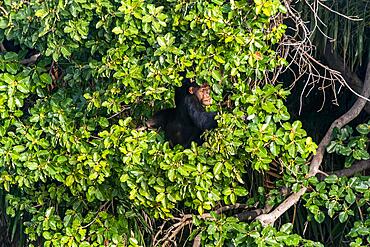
x=297, y=47
x=116, y=114
x=351, y=18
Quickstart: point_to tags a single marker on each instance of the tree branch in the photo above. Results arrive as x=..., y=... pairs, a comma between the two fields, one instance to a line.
x=359, y=166
x=270, y=218
x=339, y=123
x=250, y=215
x=32, y=59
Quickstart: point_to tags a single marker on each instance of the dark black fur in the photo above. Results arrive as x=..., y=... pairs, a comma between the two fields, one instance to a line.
x=187, y=122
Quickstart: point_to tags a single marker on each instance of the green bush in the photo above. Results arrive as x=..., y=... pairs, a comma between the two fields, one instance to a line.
x=77, y=167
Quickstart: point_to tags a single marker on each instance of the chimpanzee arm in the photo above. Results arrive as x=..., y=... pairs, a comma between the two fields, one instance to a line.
x=161, y=118
x=202, y=119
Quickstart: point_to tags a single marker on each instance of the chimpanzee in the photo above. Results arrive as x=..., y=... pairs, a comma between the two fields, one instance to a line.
x=188, y=120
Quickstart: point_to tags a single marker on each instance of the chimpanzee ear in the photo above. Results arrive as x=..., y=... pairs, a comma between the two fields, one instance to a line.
x=191, y=90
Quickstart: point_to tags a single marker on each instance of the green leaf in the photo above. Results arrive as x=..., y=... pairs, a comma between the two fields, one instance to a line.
x=147, y=19
x=69, y=180
x=350, y=197
x=11, y=103
x=117, y=30
x=331, y=147
x=287, y=228
x=66, y=53
x=232, y=198
x=274, y=149
x=217, y=168
x=200, y=196
x=8, y=78
x=241, y=191
x=49, y=212
x=161, y=41
x=160, y=197
x=343, y=216
x=361, y=155
x=171, y=175
x=19, y=148
x=319, y=217
x=12, y=68
x=227, y=191
x=234, y=71
x=47, y=235
x=34, y=118
x=216, y=75
x=343, y=150
x=124, y=178
x=361, y=187
x=297, y=125
x=18, y=102
x=292, y=150
x=62, y=159
x=363, y=129
x=41, y=13
x=31, y=165
x=23, y=88
x=200, y=210
x=219, y=59
x=3, y=23
x=103, y=122
x=45, y=78
x=183, y=171
x=332, y=179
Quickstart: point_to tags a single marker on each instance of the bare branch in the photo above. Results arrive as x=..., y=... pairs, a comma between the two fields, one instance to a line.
x=359, y=166
x=32, y=59
x=340, y=122
x=197, y=241
x=231, y=207
x=270, y=218
x=250, y=215
x=175, y=232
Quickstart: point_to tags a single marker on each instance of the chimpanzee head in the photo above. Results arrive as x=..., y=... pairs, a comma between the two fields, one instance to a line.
x=189, y=87
x=203, y=93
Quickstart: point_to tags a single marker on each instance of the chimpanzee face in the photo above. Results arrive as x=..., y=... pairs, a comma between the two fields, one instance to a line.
x=203, y=93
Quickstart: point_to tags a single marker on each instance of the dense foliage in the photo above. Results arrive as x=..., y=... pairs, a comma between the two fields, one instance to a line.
x=77, y=167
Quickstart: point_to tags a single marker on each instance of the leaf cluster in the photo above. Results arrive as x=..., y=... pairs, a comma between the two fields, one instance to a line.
x=353, y=147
